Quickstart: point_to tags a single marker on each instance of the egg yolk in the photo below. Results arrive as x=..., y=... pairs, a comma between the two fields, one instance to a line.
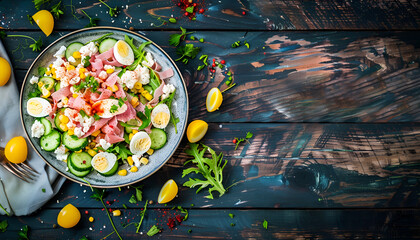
x=69, y=216
x=101, y=163
x=122, y=49
x=142, y=143
x=35, y=108
x=161, y=118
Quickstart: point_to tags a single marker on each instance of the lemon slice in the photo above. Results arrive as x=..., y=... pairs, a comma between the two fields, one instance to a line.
x=168, y=191
x=196, y=130
x=214, y=100
x=45, y=21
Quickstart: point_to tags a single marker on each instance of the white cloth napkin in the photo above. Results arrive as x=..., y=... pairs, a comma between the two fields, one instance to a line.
x=16, y=196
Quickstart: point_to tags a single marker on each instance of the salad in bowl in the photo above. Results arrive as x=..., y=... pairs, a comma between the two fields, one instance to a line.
x=102, y=107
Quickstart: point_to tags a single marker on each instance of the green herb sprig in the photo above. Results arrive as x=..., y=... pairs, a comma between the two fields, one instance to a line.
x=142, y=213
x=265, y=224
x=175, y=39
x=3, y=225
x=36, y=46
x=188, y=51
x=113, y=12
x=56, y=10
x=239, y=140
x=92, y=21
x=23, y=233
x=39, y=3
x=153, y=231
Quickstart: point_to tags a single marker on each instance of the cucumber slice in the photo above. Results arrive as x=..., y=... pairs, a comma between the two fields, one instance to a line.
x=57, y=87
x=47, y=126
x=111, y=172
x=158, y=138
x=48, y=83
x=80, y=161
x=148, y=88
x=77, y=173
x=51, y=141
x=73, y=142
x=73, y=47
x=57, y=120
x=132, y=122
x=107, y=44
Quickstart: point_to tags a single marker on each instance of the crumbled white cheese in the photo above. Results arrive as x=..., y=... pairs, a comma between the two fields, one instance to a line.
x=87, y=123
x=58, y=63
x=71, y=59
x=34, y=80
x=104, y=144
x=149, y=60
x=167, y=90
x=129, y=78
x=60, y=153
x=78, y=132
x=60, y=52
x=74, y=80
x=106, y=67
x=143, y=74
x=37, y=129
x=89, y=49
x=136, y=160
x=60, y=72
x=103, y=75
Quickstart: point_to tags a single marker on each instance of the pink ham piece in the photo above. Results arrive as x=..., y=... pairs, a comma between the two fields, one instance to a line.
x=148, y=129
x=140, y=107
x=120, y=92
x=97, y=64
x=96, y=126
x=112, y=138
x=112, y=79
x=130, y=113
x=158, y=92
x=77, y=103
x=156, y=67
x=108, y=55
x=63, y=92
x=167, y=73
x=105, y=94
x=54, y=109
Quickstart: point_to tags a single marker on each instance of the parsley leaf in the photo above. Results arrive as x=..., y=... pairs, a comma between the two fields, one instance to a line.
x=96, y=116
x=187, y=51
x=113, y=109
x=265, y=224
x=23, y=233
x=86, y=62
x=30, y=19
x=35, y=93
x=120, y=102
x=41, y=71
x=190, y=9
x=92, y=21
x=113, y=12
x=36, y=46
x=56, y=10
x=175, y=39
x=239, y=140
x=210, y=168
x=120, y=150
x=83, y=113
x=3, y=226
x=145, y=118
x=39, y=3
x=231, y=215
x=153, y=231
x=133, y=199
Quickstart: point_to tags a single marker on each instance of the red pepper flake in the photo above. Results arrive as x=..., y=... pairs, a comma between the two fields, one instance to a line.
x=213, y=65
x=107, y=202
x=243, y=13
x=86, y=212
x=186, y=14
x=223, y=62
x=179, y=218
x=201, y=11
x=171, y=223
x=234, y=141
x=84, y=161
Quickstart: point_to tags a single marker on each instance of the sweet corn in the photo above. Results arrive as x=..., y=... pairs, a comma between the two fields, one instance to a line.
x=53, y=70
x=130, y=136
x=116, y=213
x=54, y=76
x=138, y=86
x=109, y=71
x=48, y=72
x=135, y=105
x=70, y=131
x=93, y=145
x=114, y=88
x=65, y=100
x=79, y=151
x=109, y=88
x=96, y=133
x=91, y=219
x=150, y=151
x=130, y=160
x=91, y=152
x=82, y=76
x=40, y=84
x=144, y=160
x=134, y=169
x=77, y=54
x=63, y=127
x=70, y=67
x=45, y=93
x=75, y=95
x=135, y=131
x=64, y=119
x=148, y=97
x=51, y=65
x=82, y=70
x=122, y=172
x=134, y=100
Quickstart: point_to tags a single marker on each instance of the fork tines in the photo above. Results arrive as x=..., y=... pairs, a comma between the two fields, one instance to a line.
x=22, y=171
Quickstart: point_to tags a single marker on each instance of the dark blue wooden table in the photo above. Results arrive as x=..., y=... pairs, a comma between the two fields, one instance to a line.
x=331, y=91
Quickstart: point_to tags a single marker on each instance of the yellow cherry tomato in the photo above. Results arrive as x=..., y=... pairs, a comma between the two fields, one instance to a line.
x=214, y=100
x=16, y=150
x=196, y=130
x=45, y=21
x=5, y=72
x=168, y=191
x=69, y=216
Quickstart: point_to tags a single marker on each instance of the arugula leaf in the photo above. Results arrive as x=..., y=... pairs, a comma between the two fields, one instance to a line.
x=265, y=224
x=56, y=10
x=133, y=199
x=30, y=19
x=92, y=21
x=96, y=116
x=187, y=51
x=137, y=51
x=145, y=118
x=113, y=12
x=211, y=169
x=23, y=233
x=98, y=194
x=139, y=195
x=120, y=150
x=175, y=39
x=41, y=71
x=190, y=9
x=3, y=226
x=86, y=62
x=39, y=3
x=35, y=93
x=153, y=231
x=168, y=102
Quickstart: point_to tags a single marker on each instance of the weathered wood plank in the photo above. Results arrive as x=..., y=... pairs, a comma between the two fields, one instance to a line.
x=301, y=76
x=216, y=224
x=261, y=15
x=295, y=166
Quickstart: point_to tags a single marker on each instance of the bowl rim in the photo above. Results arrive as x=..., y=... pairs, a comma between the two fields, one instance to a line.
x=112, y=29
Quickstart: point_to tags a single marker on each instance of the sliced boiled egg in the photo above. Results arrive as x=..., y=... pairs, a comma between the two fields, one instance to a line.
x=108, y=108
x=123, y=53
x=38, y=107
x=104, y=161
x=160, y=116
x=140, y=143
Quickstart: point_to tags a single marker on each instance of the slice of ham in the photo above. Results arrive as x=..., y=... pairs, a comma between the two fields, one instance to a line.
x=112, y=138
x=158, y=92
x=114, y=132
x=77, y=103
x=148, y=129
x=130, y=113
x=156, y=67
x=97, y=64
x=54, y=109
x=120, y=93
x=105, y=94
x=96, y=126
x=63, y=92
x=109, y=55
x=112, y=79
x=167, y=73
x=140, y=107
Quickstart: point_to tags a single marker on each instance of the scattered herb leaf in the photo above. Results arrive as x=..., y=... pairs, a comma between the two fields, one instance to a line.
x=3, y=226
x=187, y=51
x=43, y=190
x=153, y=231
x=175, y=39
x=190, y=9
x=133, y=199
x=56, y=10
x=30, y=19
x=92, y=21
x=232, y=224
x=172, y=20
x=124, y=206
x=231, y=215
x=23, y=233
x=113, y=12
x=265, y=224
x=239, y=140
x=39, y=3
x=142, y=213
x=41, y=71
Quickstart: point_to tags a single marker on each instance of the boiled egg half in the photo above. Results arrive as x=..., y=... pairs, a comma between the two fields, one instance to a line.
x=104, y=161
x=38, y=107
x=108, y=108
x=140, y=143
x=123, y=53
x=160, y=116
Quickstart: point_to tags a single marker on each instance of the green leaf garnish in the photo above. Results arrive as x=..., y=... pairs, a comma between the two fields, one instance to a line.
x=172, y=20
x=92, y=21
x=30, y=19
x=3, y=226
x=39, y=3
x=23, y=233
x=187, y=51
x=265, y=224
x=190, y=9
x=113, y=12
x=153, y=231
x=86, y=62
x=133, y=199
x=175, y=39
x=41, y=71
x=231, y=215
x=239, y=140
x=138, y=52
x=142, y=213
x=56, y=10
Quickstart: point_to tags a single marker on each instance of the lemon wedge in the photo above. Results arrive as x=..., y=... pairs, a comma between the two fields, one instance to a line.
x=214, y=100
x=45, y=21
x=168, y=191
x=196, y=130
x=6, y=71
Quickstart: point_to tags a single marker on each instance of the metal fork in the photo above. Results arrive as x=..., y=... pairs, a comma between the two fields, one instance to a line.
x=21, y=170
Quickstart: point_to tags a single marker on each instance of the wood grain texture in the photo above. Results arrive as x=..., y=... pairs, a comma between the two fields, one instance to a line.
x=299, y=76
x=260, y=15
x=215, y=224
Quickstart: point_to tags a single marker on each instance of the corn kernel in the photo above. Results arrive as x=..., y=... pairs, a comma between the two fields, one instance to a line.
x=134, y=169
x=64, y=119
x=40, y=84
x=70, y=67
x=48, y=72
x=53, y=70
x=144, y=160
x=134, y=131
x=122, y=172
x=138, y=85
x=82, y=76
x=148, y=97
x=91, y=219
x=109, y=88
x=130, y=136
x=77, y=54
x=144, y=92
x=116, y=213
x=82, y=70
x=150, y=151
x=130, y=160
x=79, y=151
x=63, y=127
x=109, y=71
x=134, y=100
x=135, y=105
x=114, y=88
x=70, y=131
x=75, y=95
x=96, y=133
x=92, y=145
x=87, y=147
x=91, y=152
x=54, y=76
x=45, y=93
x=51, y=65
x=65, y=100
